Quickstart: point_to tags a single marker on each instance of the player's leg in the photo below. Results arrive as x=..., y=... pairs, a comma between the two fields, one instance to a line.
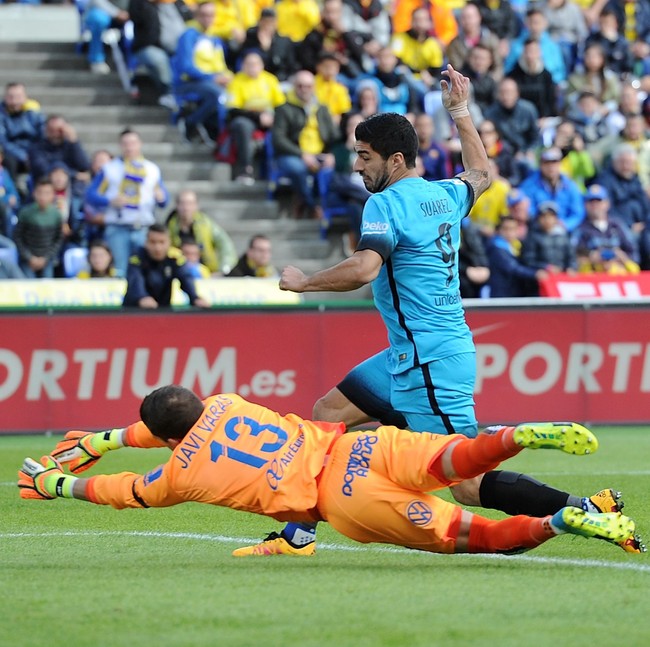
x=426, y=462
x=380, y=511
x=362, y=396
x=334, y=404
x=438, y=397
x=515, y=493
x=358, y=498
x=361, y=502
x=475, y=534
x=441, y=392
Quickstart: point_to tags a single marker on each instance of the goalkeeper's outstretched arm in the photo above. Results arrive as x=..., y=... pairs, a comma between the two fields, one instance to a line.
x=46, y=480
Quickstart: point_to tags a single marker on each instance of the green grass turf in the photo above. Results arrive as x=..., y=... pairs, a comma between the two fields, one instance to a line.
x=75, y=574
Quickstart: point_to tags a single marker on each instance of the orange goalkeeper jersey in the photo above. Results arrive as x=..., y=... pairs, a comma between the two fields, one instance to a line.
x=239, y=455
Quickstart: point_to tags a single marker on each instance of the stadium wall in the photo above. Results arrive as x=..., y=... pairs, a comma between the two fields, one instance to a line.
x=537, y=359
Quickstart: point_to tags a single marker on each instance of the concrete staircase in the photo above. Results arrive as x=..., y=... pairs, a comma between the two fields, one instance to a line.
x=98, y=108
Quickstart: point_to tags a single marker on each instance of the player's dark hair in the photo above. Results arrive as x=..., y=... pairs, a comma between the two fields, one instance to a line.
x=389, y=133
x=171, y=411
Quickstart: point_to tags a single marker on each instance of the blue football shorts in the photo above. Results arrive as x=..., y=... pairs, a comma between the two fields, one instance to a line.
x=437, y=397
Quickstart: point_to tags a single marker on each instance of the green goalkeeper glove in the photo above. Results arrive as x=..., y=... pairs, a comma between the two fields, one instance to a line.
x=44, y=480
x=82, y=449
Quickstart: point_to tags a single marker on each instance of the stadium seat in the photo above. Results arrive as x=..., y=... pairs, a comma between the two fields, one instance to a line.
x=75, y=259
x=272, y=173
x=323, y=179
x=9, y=254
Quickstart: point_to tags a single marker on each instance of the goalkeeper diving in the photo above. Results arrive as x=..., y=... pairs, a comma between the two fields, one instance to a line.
x=372, y=486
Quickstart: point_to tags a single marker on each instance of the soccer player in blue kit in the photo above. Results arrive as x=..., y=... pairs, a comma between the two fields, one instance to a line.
x=408, y=251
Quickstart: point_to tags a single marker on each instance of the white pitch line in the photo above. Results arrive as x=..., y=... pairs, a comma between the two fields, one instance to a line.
x=598, y=473
x=224, y=539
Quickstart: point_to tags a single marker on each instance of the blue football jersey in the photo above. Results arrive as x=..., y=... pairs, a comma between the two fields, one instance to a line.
x=415, y=226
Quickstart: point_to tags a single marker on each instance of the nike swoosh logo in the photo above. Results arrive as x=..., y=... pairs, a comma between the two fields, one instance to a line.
x=486, y=329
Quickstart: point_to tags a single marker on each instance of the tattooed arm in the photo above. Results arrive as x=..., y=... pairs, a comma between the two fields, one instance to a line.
x=479, y=180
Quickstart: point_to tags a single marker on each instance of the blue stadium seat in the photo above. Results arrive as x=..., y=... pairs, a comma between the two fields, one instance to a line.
x=75, y=259
x=272, y=173
x=323, y=179
x=9, y=254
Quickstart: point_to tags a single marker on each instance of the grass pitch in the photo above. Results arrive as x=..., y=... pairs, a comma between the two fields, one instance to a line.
x=79, y=575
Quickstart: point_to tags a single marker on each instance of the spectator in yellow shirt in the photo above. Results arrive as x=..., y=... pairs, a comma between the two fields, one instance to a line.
x=328, y=90
x=296, y=18
x=260, y=5
x=419, y=51
x=232, y=19
x=303, y=134
x=492, y=205
x=253, y=95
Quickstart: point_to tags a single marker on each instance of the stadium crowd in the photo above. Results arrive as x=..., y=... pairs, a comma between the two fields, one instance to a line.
x=560, y=99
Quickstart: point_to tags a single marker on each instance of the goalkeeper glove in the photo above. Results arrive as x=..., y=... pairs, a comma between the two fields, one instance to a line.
x=44, y=480
x=82, y=449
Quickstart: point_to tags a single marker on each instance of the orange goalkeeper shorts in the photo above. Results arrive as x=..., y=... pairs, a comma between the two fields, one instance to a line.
x=374, y=489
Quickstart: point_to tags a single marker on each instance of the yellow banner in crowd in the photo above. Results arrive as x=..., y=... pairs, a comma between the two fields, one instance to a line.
x=109, y=292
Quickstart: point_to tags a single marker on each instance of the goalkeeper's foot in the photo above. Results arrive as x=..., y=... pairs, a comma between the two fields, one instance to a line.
x=569, y=437
x=606, y=500
x=275, y=544
x=632, y=544
x=609, y=500
x=611, y=526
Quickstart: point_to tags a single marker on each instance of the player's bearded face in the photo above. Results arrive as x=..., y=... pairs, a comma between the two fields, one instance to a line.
x=372, y=168
x=376, y=180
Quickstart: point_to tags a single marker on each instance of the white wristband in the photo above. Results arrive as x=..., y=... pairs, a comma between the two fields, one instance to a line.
x=459, y=111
